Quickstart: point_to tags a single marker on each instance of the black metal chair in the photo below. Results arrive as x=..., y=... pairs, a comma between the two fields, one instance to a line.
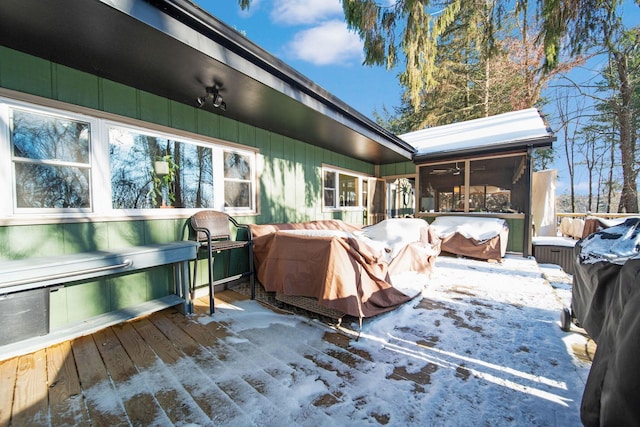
x=213, y=233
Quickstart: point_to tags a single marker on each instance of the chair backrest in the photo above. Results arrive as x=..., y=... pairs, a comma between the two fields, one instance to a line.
x=216, y=222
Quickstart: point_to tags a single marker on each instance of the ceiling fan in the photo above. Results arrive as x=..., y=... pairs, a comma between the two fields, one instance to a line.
x=457, y=170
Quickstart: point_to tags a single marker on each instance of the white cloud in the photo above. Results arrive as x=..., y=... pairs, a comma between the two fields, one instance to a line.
x=297, y=12
x=328, y=43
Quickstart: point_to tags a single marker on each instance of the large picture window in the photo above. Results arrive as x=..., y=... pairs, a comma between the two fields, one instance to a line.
x=51, y=161
x=150, y=171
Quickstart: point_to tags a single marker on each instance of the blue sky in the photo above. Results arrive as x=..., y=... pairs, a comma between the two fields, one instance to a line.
x=312, y=37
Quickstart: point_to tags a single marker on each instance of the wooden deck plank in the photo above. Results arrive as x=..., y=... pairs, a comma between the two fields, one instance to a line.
x=66, y=404
x=181, y=408
x=8, y=372
x=234, y=385
x=102, y=400
x=140, y=404
x=30, y=401
x=215, y=402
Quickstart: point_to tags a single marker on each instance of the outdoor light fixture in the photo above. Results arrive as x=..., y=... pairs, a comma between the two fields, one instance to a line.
x=216, y=99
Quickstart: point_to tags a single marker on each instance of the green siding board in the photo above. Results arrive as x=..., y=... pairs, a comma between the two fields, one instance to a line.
x=85, y=237
x=5, y=247
x=516, y=235
x=87, y=300
x=228, y=129
x=77, y=87
x=154, y=108
x=127, y=291
x=160, y=282
x=183, y=116
x=58, y=311
x=208, y=124
x=119, y=99
x=122, y=234
x=288, y=149
x=27, y=241
x=161, y=231
x=277, y=146
x=247, y=135
x=263, y=141
x=25, y=73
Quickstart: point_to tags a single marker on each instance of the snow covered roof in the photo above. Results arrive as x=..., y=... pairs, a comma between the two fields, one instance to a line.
x=489, y=134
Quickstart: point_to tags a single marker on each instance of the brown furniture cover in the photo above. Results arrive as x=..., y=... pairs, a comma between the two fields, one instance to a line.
x=337, y=264
x=473, y=237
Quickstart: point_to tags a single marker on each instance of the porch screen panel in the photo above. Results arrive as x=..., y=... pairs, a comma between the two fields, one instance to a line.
x=496, y=185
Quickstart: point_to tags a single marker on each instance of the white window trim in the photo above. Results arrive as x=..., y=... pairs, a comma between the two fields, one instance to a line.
x=101, y=207
x=362, y=181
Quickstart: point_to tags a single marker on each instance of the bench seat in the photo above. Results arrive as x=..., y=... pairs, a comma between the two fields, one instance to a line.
x=25, y=285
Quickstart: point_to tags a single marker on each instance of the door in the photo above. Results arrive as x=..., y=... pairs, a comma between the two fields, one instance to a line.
x=376, y=201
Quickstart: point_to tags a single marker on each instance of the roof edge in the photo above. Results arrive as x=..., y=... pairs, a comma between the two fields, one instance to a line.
x=195, y=17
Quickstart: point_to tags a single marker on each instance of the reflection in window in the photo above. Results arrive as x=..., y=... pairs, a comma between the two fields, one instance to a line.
x=149, y=171
x=348, y=190
x=342, y=190
x=237, y=180
x=329, y=188
x=51, y=161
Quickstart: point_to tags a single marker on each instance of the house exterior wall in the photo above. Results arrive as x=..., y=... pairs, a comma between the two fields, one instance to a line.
x=290, y=186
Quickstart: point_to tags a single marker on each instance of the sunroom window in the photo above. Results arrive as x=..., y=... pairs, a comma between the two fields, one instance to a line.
x=51, y=161
x=492, y=185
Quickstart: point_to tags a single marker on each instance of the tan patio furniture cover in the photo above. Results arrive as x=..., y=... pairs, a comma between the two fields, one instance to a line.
x=341, y=272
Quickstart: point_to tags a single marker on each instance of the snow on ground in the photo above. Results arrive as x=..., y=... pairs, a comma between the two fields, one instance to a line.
x=481, y=346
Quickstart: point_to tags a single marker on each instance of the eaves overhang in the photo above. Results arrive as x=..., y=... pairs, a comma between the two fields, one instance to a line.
x=175, y=49
x=520, y=146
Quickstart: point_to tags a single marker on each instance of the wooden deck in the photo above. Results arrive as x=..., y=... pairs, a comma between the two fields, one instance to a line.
x=168, y=369
x=88, y=381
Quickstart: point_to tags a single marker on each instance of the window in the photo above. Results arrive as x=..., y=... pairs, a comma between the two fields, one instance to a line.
x=238, y=180
x=342, y=190
x=478, y=185
x=51, y=161
x=149, y=171
x=71, y=164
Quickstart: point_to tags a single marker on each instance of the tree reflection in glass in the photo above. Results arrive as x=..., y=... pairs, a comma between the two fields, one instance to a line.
x=134, y=181
x=237, y=180
x=51, y=161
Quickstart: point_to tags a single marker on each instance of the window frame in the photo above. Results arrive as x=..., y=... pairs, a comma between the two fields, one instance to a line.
x=8, y=107
x=100, y=168
x=361, y=182
x=461, y=189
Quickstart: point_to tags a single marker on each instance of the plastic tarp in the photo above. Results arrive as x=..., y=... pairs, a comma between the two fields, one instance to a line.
x=345, y=267
x=606, y=302
x=599, y=258
x=543, y=198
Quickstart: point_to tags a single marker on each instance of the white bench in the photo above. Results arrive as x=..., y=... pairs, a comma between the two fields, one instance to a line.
x=37, y=276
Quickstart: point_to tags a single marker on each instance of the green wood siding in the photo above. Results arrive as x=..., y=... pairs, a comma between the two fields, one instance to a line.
x=516, y=235
x=393, y=169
